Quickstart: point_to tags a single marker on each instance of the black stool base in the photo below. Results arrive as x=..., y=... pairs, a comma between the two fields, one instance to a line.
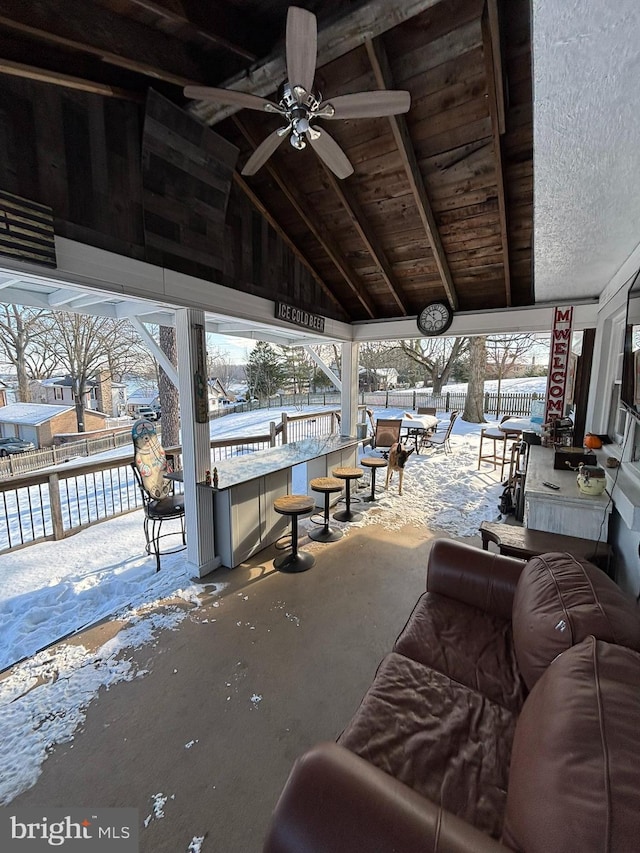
x=347, y=515
x=328, y=535
x=291, y=563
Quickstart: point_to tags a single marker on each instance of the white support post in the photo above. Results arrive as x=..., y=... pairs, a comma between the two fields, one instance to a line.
x=349, y=397
x=196, y=446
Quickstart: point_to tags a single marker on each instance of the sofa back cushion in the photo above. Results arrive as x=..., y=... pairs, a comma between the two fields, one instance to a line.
x=573, y=780
x=558, y=602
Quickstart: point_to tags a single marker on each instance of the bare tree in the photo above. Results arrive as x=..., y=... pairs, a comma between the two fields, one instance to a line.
x=504, y=352
x=437, y=356
x=219, y=366
x=474, y=404
x=19, y=326
x=84, y=345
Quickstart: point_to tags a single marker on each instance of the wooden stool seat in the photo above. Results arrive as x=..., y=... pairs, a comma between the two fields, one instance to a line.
x=373, y=462
x=347, y=474
x=295, y=506
x=326, y=486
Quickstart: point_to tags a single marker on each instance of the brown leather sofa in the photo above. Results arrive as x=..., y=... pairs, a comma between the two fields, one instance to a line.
x=507, y=716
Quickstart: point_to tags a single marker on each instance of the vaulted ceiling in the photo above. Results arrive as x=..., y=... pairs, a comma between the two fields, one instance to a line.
x=440, y=205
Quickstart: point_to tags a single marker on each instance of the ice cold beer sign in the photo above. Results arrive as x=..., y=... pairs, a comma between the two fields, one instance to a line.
x=559, y=363
x=299, y=317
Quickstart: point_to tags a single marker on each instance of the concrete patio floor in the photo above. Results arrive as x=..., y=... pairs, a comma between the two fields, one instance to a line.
x=228, y=705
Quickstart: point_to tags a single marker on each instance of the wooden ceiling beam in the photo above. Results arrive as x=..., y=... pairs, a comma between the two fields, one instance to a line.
x=318, y=230
x=384, y=79
x=99, y=33
x=497, y=148
x=30, y=72
x=494, y=29
x=359, y=222
x=338, y=38
x=260, y=206
x=226, y=26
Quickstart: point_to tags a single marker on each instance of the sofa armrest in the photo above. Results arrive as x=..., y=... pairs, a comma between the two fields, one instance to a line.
x=335, y=801
x=473, y=576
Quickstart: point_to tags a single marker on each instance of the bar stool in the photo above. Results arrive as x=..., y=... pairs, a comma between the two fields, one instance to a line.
x=347, y=474
x=498, y=453
x=295, y=506
x=326, y=486
x=372, y=462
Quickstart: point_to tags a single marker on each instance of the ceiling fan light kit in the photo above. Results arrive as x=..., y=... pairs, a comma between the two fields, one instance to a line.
x=299, y=104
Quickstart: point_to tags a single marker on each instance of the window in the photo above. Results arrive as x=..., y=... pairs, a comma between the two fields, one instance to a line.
x=57, y=393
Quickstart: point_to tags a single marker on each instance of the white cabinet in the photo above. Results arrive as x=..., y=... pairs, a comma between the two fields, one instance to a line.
x=244, y=518
x=567, y=510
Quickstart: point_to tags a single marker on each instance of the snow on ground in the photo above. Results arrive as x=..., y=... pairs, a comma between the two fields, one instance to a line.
x=54, y=589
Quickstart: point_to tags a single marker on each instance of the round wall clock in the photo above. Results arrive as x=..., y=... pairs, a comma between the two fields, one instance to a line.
x=435, y=318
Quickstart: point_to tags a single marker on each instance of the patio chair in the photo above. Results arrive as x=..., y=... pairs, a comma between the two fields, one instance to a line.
x=386, y=433
x=442, y=439
x=159, y=502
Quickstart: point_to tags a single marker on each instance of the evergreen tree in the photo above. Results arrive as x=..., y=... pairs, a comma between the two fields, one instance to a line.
x=264, y=371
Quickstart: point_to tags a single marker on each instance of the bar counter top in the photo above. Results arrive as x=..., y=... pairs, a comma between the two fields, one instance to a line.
x=242, y=469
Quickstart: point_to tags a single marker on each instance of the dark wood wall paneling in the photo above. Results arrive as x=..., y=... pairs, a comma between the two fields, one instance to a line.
x=81, y=155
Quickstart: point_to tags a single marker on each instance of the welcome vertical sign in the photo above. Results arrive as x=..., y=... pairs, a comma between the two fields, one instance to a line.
x=559, y=360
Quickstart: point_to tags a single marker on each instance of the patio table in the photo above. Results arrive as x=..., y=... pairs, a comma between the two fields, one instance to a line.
x=418, y=427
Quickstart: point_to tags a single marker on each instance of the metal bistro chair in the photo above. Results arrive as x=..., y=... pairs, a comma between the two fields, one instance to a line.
x=387, y=433
x=160, y=504
x=442, y=439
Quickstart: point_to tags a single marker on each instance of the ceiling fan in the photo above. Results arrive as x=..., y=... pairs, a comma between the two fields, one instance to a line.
x=299, y=104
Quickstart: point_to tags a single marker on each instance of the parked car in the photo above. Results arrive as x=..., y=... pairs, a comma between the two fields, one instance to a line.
x=149, y=413
x=12, y=444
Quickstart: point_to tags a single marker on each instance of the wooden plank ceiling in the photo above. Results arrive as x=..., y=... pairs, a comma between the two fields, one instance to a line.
x=440, y=204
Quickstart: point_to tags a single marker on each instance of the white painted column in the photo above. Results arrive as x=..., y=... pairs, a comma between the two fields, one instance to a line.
x=349, y=398
x=196, y=448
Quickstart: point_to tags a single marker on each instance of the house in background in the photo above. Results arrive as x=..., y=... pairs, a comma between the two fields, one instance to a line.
x=101, y=394
x=41, y=422
x=379, y=379
x=146, y=395
x=217, y=393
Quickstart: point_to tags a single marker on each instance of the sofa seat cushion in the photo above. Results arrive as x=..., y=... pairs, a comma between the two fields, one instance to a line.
x=559, y=601
x=466, y=644
x=447, y=742
x=573, y=782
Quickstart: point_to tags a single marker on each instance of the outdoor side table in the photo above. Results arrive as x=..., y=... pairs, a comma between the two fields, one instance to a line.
x=372, y=462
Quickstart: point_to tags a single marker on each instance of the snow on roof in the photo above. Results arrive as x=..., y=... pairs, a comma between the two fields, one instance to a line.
x=32, y=414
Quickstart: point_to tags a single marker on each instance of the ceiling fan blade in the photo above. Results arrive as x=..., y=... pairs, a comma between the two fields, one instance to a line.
x=302, y=47
x=382, y=102
x=330, y=152
x=264, y=151
x=229, y=96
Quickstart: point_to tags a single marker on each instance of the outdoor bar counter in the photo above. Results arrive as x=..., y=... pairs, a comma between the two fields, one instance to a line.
x=244, y=519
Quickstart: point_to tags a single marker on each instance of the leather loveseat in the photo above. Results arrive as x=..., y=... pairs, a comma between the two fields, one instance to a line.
x=507, y=716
